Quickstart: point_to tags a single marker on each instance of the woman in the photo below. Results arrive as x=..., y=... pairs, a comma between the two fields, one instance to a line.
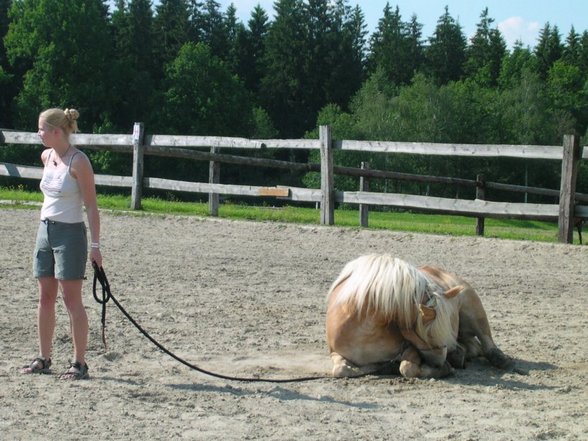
x=61, y=247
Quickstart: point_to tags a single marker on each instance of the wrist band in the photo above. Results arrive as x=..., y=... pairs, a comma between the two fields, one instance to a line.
x=95, y=245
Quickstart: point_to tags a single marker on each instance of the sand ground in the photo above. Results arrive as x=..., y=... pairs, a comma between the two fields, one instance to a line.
x=248, y=299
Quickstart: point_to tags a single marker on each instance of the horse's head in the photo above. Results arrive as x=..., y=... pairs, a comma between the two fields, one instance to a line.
x=434, y=331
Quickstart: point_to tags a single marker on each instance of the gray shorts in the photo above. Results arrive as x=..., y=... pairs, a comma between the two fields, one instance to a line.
x=61, y=250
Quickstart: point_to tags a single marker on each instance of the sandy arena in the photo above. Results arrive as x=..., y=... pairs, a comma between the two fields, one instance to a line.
x=248, y=299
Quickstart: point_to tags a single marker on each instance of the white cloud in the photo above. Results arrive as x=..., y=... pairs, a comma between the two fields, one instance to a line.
x=517, y=28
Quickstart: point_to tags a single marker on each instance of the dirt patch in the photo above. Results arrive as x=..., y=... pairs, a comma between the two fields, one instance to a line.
x=248, y=299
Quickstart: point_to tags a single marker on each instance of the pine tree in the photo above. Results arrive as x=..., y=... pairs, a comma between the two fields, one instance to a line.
x=393, y=47
x=572, y=49
x=583, y=55
x=215, y=32
x=446, y=52
x=549, y=49
x=282, y=86
x=135, y=74
x=250, y=49
x=171, y=29
x=346, y=66
x=236, y=36
x=485, y=53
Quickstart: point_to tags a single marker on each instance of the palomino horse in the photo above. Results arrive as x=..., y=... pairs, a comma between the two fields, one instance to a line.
x=382, y=310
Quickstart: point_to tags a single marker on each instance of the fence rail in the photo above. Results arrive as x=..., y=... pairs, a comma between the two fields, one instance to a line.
x=566, y=213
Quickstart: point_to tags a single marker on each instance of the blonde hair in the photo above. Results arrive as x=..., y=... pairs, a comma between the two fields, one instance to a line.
x=65, y=120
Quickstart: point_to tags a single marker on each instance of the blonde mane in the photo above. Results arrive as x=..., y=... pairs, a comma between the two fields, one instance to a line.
x=384, y=285
x=392, y=288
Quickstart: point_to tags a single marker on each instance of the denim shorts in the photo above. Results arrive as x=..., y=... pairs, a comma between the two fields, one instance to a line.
x=61, y=250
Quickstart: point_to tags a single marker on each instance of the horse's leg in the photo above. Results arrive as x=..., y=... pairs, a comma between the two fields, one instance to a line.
x=473, y=322
x=411, y=366
x=457, y=357
x=345, y=368
x=472, y=346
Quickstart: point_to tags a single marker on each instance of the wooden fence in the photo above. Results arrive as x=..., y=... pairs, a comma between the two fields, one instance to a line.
x=567, y=213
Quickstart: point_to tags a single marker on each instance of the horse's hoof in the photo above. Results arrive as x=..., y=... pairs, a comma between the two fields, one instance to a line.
x=446, y=370
x=498, y=359
x=457, y=358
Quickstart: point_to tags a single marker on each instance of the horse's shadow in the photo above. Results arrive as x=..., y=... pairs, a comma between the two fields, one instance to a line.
x=480, y=372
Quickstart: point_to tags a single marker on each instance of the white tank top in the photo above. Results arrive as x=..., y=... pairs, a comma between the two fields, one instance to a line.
x=62, y=197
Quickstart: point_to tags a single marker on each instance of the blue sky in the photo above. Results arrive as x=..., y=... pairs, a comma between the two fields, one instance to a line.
x=516, y=19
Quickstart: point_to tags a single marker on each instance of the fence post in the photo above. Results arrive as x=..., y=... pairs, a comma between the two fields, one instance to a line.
x=480, y=194
x=569, y=172
x=213, y=178
x=327, y=177
x=364, y=185
x=138, y=161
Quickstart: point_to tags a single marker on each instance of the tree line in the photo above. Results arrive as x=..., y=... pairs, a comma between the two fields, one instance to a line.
x=188, y=67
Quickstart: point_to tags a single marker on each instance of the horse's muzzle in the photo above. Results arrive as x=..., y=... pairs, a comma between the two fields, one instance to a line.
x=434, y=357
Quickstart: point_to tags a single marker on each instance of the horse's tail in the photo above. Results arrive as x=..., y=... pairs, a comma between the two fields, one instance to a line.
x=382, y=285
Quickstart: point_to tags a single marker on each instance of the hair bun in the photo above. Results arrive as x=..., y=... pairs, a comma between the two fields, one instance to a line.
x=71, y=114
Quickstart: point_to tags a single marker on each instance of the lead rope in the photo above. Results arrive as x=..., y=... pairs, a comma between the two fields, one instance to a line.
x=100, y=277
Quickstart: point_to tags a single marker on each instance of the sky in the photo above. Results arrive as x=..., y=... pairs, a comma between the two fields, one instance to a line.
x=517, y=19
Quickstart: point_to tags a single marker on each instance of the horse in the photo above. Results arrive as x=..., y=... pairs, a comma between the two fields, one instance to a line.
x=382, y=311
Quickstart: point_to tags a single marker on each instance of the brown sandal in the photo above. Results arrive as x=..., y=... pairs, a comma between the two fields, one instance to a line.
x=76, y=371
x=38, y=366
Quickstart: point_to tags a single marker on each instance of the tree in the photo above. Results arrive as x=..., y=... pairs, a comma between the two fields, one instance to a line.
x=526, y=114
x=202, y=97
x=311, y=59
x=250, y=51
x=415, y=45
x=282, y=86
x=7, y=86
x=4, y=21
x=236, y=39
x=572, y=50
x=514, y=64
x=355, y=29
x=334, y=69
x=372, y=108
x=445, y=54
x=396, y=47
x=485, y=53
x=68, y=49
x=583, y=56
x=568, y=93
x=171, y=28
x=548, y=50
x=215, y=28
x=135, y=74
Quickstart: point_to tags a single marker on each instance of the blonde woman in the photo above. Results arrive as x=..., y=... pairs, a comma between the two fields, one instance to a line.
x=61, y=249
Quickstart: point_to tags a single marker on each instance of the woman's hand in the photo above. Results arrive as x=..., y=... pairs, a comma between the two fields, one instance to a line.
x=96, y=256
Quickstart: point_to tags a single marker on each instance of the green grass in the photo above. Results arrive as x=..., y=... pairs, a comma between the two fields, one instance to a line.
x=394, y=221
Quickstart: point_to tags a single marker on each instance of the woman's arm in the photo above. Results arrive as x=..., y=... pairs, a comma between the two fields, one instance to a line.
x=81, y=169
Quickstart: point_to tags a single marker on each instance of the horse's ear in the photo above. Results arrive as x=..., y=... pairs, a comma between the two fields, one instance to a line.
x=450, y=293
x=428, y=314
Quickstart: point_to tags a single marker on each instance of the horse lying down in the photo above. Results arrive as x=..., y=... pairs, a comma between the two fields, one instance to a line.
x=382, y=310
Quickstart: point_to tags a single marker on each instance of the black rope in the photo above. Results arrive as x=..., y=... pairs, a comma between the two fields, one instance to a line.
x=100, y=277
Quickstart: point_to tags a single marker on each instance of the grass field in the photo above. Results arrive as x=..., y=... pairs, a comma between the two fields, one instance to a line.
x=388, y=220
